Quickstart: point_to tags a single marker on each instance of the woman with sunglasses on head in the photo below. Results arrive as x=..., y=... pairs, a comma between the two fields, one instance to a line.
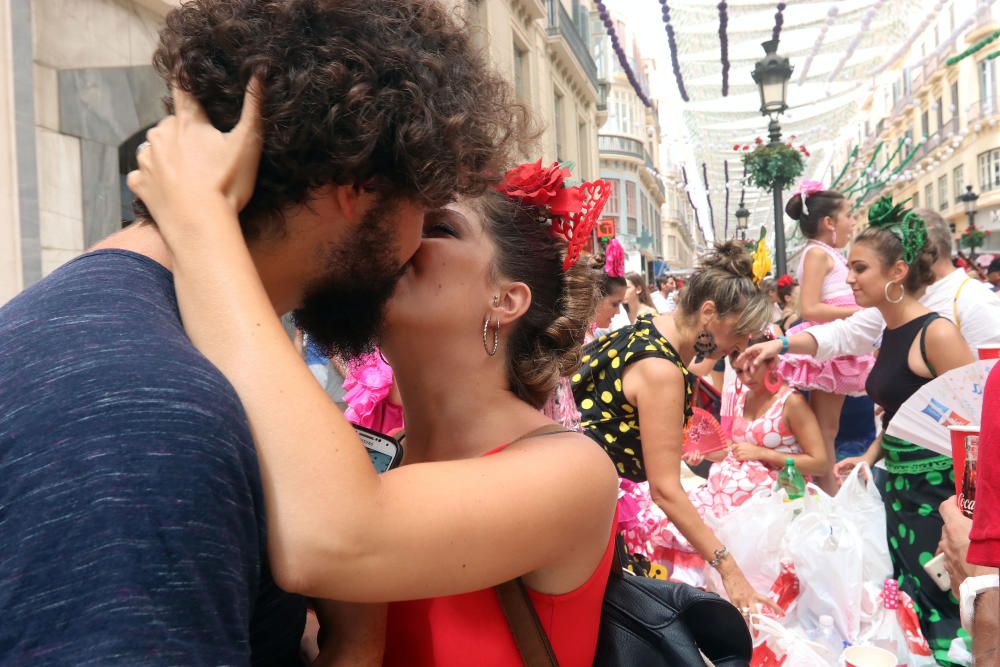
x=635, y=390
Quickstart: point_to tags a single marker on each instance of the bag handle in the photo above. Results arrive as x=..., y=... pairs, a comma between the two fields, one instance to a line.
x=529, y=635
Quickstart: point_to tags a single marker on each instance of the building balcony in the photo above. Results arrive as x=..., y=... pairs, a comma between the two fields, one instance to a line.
x=981, y=110
x=568, y=45
x=618, y=145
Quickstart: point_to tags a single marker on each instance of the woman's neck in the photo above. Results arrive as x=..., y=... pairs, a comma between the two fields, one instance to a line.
x=898, y=314
x=454, y=412
x=680, y=335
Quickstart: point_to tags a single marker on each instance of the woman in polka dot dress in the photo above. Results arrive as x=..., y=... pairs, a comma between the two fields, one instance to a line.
x=634, y=391
x=773, y=422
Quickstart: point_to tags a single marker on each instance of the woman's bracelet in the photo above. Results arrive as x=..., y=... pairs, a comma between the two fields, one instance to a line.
x=720, y=555
x=784, y=345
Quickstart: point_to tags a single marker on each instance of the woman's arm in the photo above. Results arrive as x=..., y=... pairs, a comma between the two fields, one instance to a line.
x=656, y=387
x=760, y=353
x=335, y=528
x=814, y=270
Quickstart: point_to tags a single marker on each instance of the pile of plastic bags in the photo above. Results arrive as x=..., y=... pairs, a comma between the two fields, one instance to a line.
x=821, y=557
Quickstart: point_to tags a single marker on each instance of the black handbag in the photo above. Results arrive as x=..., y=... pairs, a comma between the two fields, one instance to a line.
x=644, y=623
x=656, y=623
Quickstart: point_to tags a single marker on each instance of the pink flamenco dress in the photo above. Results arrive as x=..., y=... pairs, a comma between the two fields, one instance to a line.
x=840, y=375
x=367, y=388
x=731, y=483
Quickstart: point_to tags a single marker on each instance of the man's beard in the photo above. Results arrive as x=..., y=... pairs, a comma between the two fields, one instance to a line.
x=343, y=311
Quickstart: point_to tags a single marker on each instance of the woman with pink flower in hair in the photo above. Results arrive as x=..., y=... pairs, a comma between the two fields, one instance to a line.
x=825, y=219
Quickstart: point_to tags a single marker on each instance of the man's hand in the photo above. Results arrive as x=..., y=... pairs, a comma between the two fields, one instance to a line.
x=954, y=544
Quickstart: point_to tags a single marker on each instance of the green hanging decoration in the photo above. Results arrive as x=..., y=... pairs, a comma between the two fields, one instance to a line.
x=850, y=188
x=880, y=184
x=978, y=46
x=847, y=163
x=992, y=56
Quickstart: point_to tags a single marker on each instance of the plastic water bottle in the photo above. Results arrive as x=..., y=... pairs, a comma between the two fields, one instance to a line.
x=791, y=480
x=826, y=635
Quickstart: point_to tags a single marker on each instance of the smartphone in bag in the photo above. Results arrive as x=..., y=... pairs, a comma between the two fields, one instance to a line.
x=385, y=451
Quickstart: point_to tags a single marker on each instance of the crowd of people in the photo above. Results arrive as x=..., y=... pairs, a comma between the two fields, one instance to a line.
x=177, y=485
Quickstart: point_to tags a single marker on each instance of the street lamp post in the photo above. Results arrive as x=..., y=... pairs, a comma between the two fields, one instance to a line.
x=771, y=74
x=968, y=199
x=742, y=219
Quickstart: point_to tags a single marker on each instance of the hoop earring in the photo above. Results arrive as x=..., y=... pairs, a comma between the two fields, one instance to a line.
x=772, y=381
x=704, y=345
x=902, y=292
x=496, y=337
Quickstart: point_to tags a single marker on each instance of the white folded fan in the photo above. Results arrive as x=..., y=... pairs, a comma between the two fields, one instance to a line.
x=952, y=399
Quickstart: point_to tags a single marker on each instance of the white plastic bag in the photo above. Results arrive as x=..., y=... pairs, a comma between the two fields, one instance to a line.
x=753, y=534
x=790, y=644
x=827, y=552
x=859, y=502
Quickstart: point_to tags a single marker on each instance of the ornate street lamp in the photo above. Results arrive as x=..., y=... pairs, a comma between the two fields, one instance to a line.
x=742, y=220
x=968, y=200
x=771, y=75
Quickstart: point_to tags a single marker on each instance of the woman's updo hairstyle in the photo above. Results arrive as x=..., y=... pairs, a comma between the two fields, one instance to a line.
x=884, y=238
x=605, y=284
x=725, y=277
x=545, y=343
x=819, y=204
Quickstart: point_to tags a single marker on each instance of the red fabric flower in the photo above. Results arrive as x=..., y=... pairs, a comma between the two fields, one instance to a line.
x=736, y=147
x=785, y=280
x=534, y=184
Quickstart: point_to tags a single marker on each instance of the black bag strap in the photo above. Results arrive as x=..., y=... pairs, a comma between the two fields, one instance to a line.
x=529, y=635
x=923, y=343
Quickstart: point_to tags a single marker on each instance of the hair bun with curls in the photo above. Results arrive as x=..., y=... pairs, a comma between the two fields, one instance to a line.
x=730, y=257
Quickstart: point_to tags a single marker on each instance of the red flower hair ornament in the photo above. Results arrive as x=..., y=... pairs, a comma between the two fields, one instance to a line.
x=572, y=211
x=786, y=281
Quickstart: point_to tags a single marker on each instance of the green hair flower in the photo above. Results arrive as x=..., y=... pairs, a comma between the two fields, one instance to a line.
x=905, y=225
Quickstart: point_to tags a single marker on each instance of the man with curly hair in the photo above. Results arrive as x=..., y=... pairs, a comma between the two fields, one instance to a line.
x=130, y=497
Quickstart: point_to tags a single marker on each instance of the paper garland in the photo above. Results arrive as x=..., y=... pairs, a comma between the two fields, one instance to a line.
x=672, y=43
x=866, y=22
x=609, y=25
x=687, y=192
x=779, y=20
x=725, y=170
x=985, y=41
x=708, y=196
x=831, y=18
x=724, y=47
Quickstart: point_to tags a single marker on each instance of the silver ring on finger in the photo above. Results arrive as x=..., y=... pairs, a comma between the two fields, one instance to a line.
x=140, y=148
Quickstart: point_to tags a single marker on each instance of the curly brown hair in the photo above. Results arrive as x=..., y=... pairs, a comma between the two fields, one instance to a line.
x=390, y=95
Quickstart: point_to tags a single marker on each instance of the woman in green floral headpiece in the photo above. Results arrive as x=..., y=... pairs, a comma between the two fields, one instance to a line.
x=890, y=266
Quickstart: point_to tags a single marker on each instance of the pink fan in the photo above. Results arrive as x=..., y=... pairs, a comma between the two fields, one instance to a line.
x=703, y=433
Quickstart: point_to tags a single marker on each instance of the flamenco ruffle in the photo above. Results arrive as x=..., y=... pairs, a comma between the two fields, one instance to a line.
x=367, y=387
x=840, y=375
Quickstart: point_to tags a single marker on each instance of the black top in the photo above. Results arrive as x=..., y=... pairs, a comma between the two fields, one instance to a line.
x=891, y=381
x=606, y=416
x=131, y=506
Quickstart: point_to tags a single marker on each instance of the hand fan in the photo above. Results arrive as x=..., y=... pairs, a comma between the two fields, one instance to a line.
x=703, y=433
x=952, y=399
